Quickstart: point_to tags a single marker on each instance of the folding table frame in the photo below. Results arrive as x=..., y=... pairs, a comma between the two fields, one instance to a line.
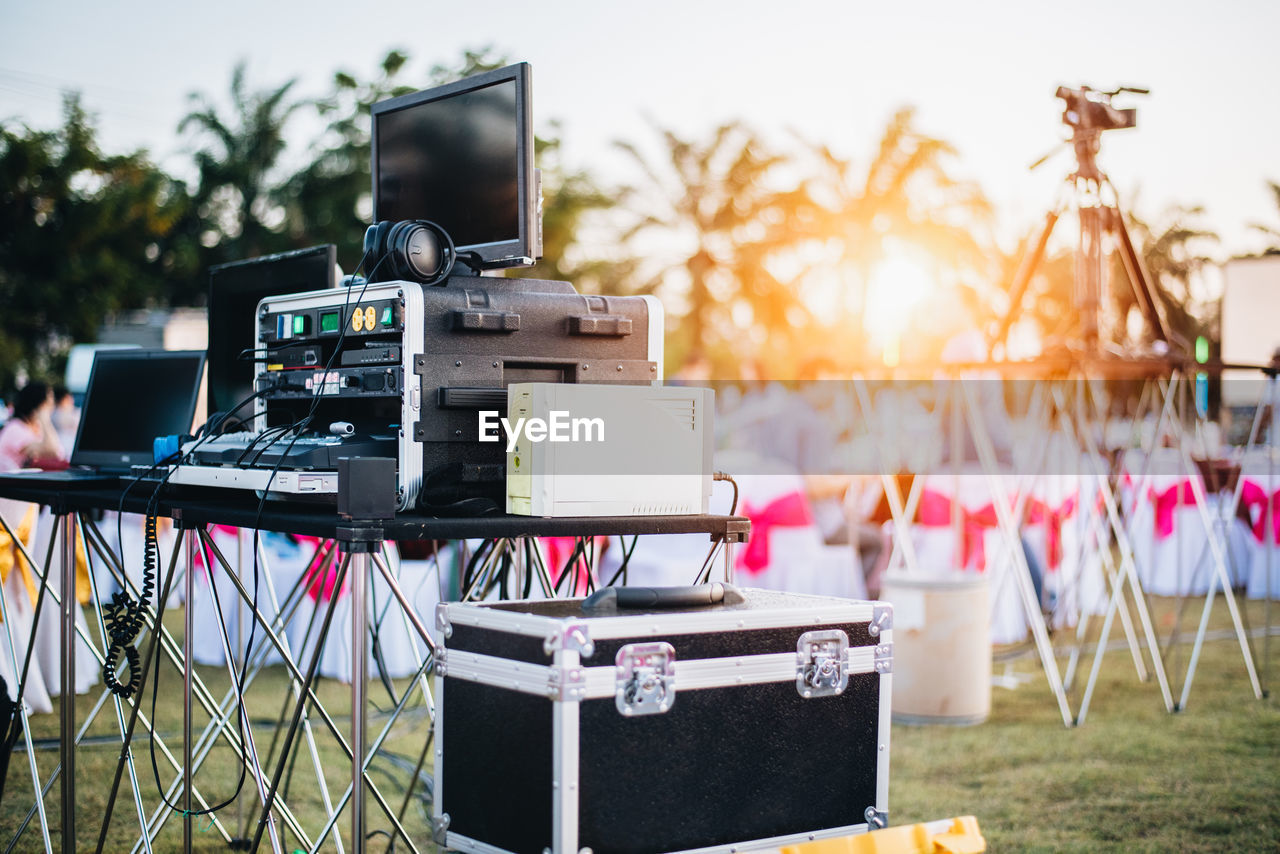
x=357, y=548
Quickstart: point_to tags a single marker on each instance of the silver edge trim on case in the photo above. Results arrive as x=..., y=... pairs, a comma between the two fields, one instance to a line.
x=514, y=623
x=656, y=345
x=457, y=842
x=564, y=770
x=519, y=676
x=601, y=682
x=589, y=683
x=409, y=472
x=437, y=768
x=651, y=625
x=778, y=841
x=882, y=739
x=656, y=625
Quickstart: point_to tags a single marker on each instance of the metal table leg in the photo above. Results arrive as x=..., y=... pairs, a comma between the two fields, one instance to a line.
x=188, y=587
x=359, y=660
x=68, y=705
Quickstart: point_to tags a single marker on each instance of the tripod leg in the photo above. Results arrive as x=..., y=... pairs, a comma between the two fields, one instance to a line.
x=1139, y=278
x=1026, y=269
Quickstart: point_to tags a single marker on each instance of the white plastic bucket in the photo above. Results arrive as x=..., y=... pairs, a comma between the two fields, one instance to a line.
x=941, y=647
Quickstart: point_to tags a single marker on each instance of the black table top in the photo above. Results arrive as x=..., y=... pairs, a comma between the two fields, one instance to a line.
x=202, y=506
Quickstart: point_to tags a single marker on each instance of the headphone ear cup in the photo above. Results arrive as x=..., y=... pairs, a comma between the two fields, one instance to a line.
x=375, y=245
x=397, y=262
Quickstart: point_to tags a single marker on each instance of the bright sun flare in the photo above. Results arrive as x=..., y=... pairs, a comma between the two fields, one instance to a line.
x=898, y=286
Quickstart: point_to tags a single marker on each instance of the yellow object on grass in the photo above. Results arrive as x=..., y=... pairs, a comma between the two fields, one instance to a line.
x=949, y=836
x=10, y=556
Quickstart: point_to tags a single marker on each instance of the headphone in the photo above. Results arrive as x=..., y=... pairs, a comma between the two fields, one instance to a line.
x=416, y=250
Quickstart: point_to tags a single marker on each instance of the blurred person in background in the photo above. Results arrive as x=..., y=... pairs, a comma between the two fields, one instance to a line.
x=28, y=438
x=65, y=418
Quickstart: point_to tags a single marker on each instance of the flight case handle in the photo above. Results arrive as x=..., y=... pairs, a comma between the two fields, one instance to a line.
x=690, y=596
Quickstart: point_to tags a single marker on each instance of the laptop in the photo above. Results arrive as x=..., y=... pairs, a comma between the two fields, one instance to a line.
x=133, y=397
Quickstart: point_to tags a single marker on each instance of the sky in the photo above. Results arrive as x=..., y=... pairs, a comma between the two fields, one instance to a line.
x=982, y=75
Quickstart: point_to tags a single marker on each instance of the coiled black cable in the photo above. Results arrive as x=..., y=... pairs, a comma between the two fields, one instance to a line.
x=123, y=617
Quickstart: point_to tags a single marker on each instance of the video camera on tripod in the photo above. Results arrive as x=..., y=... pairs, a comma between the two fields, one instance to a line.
x=1090, y=110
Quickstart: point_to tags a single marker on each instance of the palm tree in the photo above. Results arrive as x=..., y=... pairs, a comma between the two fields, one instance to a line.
x=1174, y=249
x=236, y=164
x=713, y=196
x=905, y=195
x=328, y=199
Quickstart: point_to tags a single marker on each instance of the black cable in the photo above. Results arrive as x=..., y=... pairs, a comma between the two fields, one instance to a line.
x=125, y=614
x=528, y=568
x=123, y=621
x=626, y=559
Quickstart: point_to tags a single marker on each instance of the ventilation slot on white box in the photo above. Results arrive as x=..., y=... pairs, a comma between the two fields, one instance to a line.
x=682, y=410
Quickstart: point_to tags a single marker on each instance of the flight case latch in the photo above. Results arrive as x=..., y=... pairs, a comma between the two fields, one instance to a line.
x=822, y=663
x=646, y=678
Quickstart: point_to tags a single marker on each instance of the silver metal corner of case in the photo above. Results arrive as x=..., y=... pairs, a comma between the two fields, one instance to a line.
x=570, y=635
x=567, y=683
x=881, y=619
x=585, y=851
x=440, y=667
x=876, y=820
x=884, y=658
x=439, y=827
x=442, y=620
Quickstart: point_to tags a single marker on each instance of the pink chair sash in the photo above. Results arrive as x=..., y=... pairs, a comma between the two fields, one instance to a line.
x=787, y=511
x=1166, y=502
x=1254, y=498
x=1040, y=513
x=557, y=551
x=935, y=512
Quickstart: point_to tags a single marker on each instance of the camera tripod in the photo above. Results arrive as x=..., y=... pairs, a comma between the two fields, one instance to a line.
x=1102, y=223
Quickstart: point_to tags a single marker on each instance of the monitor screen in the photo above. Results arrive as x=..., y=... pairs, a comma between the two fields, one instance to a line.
x=460, y=156
x=234, y=292
x=133, y=397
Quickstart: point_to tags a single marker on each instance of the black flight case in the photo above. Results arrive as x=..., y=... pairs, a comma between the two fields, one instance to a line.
x=753, y=723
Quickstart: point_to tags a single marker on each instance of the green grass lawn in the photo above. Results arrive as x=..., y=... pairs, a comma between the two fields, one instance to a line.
x=1133, y=778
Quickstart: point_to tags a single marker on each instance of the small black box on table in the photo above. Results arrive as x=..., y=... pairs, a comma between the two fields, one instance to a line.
x=753, y=723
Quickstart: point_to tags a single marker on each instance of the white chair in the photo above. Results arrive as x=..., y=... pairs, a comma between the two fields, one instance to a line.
x=21, y=610
x=48, y=637
x=1170, y=543
x=1260, y=497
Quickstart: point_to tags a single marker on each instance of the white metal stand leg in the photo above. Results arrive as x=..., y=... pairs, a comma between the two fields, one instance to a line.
x=6, y=616
x=1021, y=572
x=119, y=706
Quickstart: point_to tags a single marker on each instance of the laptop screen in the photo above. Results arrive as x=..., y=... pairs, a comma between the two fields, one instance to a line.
x=133, y=397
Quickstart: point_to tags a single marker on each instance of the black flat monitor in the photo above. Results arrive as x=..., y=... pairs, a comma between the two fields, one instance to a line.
x=235, y=290
x=461, y=156
x=133, y=397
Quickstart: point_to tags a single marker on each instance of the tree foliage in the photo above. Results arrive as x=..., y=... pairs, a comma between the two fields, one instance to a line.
x=236, y=196
x=733, y=232
x=82, y=235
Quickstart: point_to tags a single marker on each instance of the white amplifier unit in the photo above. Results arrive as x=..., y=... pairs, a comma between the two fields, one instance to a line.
x=605, y=450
